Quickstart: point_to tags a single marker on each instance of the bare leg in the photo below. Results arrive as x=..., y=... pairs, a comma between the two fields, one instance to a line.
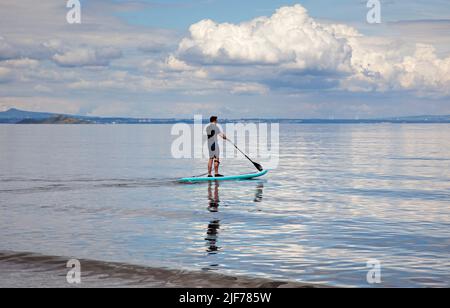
x=210, y=164
x=216, y=165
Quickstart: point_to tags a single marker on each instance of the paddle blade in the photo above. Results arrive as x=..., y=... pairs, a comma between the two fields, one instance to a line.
x=258, y=166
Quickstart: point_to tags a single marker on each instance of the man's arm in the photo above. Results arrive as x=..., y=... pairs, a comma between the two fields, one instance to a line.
x=223, y=136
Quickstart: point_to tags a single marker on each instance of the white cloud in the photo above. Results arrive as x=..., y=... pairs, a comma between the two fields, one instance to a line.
x=289, y=37
x=292, y=50
x=424, y=70
x=395, y=67
x=26, y=63
x=182, y=69
x=177, y=65
x=249, y=89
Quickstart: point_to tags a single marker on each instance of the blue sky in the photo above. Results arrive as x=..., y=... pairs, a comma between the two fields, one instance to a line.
x=176, y=14
x=251, y=58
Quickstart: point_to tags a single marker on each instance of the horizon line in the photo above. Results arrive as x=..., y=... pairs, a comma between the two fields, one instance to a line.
x=230, y=119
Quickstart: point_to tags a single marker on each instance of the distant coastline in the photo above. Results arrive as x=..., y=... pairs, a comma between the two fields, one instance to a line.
x=16, y=116
x=57, y=119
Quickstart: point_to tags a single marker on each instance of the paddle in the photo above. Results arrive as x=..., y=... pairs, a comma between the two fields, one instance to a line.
x=257, y=166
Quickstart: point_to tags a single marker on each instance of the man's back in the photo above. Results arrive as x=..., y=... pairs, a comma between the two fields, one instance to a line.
x=213, y=131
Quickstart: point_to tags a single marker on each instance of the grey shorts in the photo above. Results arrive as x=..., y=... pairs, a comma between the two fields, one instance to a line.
x=214, y=151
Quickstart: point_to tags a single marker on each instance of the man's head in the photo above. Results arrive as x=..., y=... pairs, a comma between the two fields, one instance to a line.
x=213, y=119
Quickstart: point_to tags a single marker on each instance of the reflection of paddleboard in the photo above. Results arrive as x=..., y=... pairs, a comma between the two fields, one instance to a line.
x=225, y=178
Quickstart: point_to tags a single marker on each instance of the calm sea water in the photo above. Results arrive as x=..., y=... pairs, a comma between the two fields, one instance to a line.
x=342, y=195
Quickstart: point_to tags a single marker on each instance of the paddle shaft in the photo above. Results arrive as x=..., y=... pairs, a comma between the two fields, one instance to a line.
x=258, y=166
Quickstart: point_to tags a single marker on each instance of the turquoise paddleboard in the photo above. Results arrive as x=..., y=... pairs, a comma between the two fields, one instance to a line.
x=225, y=178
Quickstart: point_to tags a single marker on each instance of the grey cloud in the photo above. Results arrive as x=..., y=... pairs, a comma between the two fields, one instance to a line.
x=6, y=75
x=87, y=57
x=156, y=47
x=7, y=51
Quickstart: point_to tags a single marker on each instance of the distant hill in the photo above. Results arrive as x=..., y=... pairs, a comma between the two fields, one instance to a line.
x=57, y=119
x=16, y=116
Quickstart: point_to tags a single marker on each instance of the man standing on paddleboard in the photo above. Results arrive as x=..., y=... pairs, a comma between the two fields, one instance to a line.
x=213, y=131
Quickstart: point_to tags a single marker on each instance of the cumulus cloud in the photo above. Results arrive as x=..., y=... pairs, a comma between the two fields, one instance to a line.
x=424, y=70
x=395, y=67
x=289, y=37
x=87, y=57
x=177, y=65
x=303, y=53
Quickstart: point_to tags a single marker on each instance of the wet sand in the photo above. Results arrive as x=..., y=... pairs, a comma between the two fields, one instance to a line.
x=29, y=270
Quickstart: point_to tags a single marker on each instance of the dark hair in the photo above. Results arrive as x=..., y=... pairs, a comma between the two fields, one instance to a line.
x=213, y=119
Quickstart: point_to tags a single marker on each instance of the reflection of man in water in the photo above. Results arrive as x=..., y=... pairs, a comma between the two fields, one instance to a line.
x=213, y=206
x=212, y=236
x=214, y=225
x=213, y=198
x=259, y=193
